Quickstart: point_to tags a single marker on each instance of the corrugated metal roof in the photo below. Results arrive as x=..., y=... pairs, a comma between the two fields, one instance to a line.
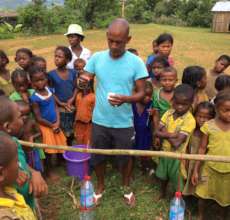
x=221, y=6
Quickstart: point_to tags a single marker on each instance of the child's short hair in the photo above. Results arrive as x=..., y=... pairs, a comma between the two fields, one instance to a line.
x=66, y=51
x=37, y=59
x=2, y=93
x=6, y=110
x=221, y=97
x=224, y=57
x=26, y=51
x=34, y=70
x=163, y=38
x=18, y=73
x=169, y=69
x=79, y=60
x=8, y=149
x=184, y=90
x=222, y=82
x=162, y=60
x=4, y=56
x=148, y=85
x=192, y=75
x=133, y=50
x=206, y=105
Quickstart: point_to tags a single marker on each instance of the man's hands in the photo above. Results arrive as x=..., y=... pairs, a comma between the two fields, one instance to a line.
x=117, y=100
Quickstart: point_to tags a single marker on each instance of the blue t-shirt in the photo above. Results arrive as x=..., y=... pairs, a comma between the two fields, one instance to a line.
x=64, y=89
x=114, y=76
x=149, y=61
x=46, y=105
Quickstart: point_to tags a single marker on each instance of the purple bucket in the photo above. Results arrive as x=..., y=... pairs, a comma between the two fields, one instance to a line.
x=77, y=163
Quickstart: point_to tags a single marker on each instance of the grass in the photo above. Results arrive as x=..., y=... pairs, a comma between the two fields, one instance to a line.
x=192, y=46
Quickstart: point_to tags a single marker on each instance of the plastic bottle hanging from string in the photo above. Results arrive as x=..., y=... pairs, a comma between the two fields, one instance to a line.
x=87, y=205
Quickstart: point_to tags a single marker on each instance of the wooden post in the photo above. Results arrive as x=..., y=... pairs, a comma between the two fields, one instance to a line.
x=122, y=8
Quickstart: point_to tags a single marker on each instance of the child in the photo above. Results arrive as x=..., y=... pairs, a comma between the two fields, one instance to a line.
x=134, y=51
x=175, y=129
x=40, y=62
x=30, y=182
x=85, y=101
x=212, y=179
x=150, y=58
x=221, y=64
x=12, y=204
x=79, y=65
x=162, y=98
x=196, y=77
x=164, y=44
x=23, y=58
x=47, y=116
x=20, y=82
x=143, y=125
x=30, y=133
x=203, y=113
x=5, y=81
x=158, y=64
x=63, y=81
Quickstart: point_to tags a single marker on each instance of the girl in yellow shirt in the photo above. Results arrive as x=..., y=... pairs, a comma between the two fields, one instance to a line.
x=212, y=179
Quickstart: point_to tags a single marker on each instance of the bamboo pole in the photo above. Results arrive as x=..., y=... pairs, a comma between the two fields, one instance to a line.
x=214, y=158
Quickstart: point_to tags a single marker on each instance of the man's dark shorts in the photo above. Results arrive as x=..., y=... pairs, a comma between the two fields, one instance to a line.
x=111, y=138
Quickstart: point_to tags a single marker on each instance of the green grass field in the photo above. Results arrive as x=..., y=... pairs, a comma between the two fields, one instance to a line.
x=192, y=46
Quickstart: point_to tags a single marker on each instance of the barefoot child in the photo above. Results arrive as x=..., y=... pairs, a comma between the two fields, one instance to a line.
x=162, y=98
x=212, y=179
x=47, y=116
x=12, y=204
x=63, y=81
x=175, y=129
x=30, y=182
x=143, y=125
x=20, y=82
x=5, y=80
x=221, y=64
x=203, y=113
x=196, y=77
x=85, y=102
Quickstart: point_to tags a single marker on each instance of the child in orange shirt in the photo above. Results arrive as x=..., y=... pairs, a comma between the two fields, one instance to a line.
x=85, y=101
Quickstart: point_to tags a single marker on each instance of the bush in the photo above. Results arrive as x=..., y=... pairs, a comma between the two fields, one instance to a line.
x=171, y=20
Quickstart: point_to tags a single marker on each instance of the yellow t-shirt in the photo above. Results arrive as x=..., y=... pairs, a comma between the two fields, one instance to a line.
x=17, y=206
x=183, y=124
x=218, y=144
x=6, y=86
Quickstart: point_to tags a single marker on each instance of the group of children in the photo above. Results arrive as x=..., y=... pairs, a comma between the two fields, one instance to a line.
x=56, y=107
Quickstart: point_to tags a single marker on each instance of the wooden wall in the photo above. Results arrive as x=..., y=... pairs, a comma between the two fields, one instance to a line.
x=221, y=22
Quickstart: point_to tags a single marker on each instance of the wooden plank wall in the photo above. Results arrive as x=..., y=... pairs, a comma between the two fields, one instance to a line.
x=221, y=22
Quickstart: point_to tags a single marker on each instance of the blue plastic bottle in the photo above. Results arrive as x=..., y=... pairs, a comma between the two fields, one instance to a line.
x=86, y=199
x=177, y=207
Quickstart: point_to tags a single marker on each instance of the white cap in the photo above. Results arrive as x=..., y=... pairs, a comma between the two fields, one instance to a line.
x=75, y=29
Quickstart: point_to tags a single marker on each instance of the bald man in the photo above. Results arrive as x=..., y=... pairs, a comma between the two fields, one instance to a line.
x=117, y=72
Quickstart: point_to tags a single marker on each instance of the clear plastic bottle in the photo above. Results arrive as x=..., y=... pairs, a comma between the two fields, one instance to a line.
x=86, y=199
x=177, y=207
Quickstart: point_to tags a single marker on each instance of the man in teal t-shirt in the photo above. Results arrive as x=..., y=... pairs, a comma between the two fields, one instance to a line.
x=117, y=72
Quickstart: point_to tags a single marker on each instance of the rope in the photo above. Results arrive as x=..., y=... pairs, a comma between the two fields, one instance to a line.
x=214, y=158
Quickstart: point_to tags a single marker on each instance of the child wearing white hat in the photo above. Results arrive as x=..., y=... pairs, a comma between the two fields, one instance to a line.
x=75, y=36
